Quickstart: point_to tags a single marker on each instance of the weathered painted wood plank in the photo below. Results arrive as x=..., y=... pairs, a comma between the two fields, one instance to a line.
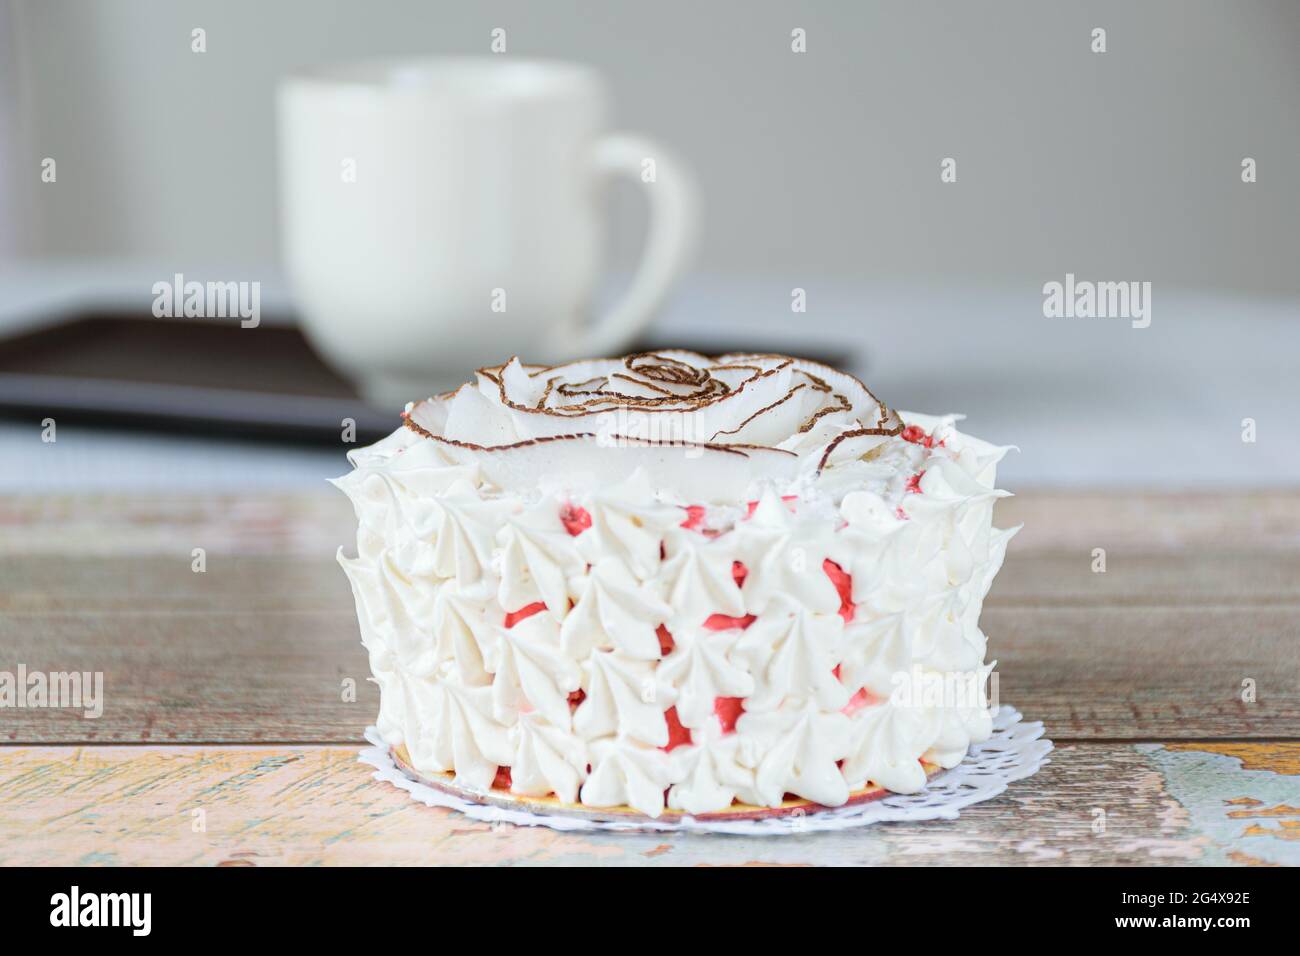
x=287, y=583
x=311, y=523
x=1094, y=804
x=208, y=676
x=315, y=522
x=1259, y=520
x=1150, y=673
x=1203, y=577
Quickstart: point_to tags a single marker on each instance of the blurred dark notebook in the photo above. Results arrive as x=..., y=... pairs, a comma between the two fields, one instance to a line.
x=206, y=376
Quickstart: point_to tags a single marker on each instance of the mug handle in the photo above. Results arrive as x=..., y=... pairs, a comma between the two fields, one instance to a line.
x=670, y=241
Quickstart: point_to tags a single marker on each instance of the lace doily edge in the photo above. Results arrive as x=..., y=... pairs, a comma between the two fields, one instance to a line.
x=1011, y=735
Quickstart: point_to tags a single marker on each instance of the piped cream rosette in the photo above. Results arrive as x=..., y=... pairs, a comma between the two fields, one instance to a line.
x=674, y=580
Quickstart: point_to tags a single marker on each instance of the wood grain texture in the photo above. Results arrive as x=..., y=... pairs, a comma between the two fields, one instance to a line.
x=1094, y=804
x=1137, y=520
x=262, y=646
x=315, y=523
x=106, y=525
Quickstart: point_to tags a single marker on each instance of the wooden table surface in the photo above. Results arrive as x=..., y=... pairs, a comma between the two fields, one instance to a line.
x=1170, y=684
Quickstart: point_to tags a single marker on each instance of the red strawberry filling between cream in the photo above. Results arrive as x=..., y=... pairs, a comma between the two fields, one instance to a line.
x=528, y=610
x=678, y=735
x=917, y=436
x=843, y=582
x=575, y=519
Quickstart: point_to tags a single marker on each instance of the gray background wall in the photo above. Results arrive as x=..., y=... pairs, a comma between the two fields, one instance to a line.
x=1120, y=166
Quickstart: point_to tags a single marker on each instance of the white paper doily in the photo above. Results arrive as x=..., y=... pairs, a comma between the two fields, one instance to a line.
x=1016, y=750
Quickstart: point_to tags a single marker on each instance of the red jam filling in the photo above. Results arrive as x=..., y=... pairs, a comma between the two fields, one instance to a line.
x=528, y=610
x=917, y=436
x=678, y=735
x=666, y=643
x=723, y=622
x=694, y=517
x=843, y=582
x=575, y=519
x=728, y=711
x=859, y=700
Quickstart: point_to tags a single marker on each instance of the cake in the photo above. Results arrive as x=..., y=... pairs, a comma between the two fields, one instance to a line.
x=675, y=584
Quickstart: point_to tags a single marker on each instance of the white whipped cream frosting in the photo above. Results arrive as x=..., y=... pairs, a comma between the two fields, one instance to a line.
x=674, y=580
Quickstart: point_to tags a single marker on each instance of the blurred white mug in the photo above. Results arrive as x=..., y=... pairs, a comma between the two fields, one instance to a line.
x=440, y=215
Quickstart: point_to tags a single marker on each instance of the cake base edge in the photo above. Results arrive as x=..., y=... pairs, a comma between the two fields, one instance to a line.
x=553, y=806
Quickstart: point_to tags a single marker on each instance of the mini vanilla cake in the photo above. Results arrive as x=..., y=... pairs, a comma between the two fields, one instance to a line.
x=674, y=583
